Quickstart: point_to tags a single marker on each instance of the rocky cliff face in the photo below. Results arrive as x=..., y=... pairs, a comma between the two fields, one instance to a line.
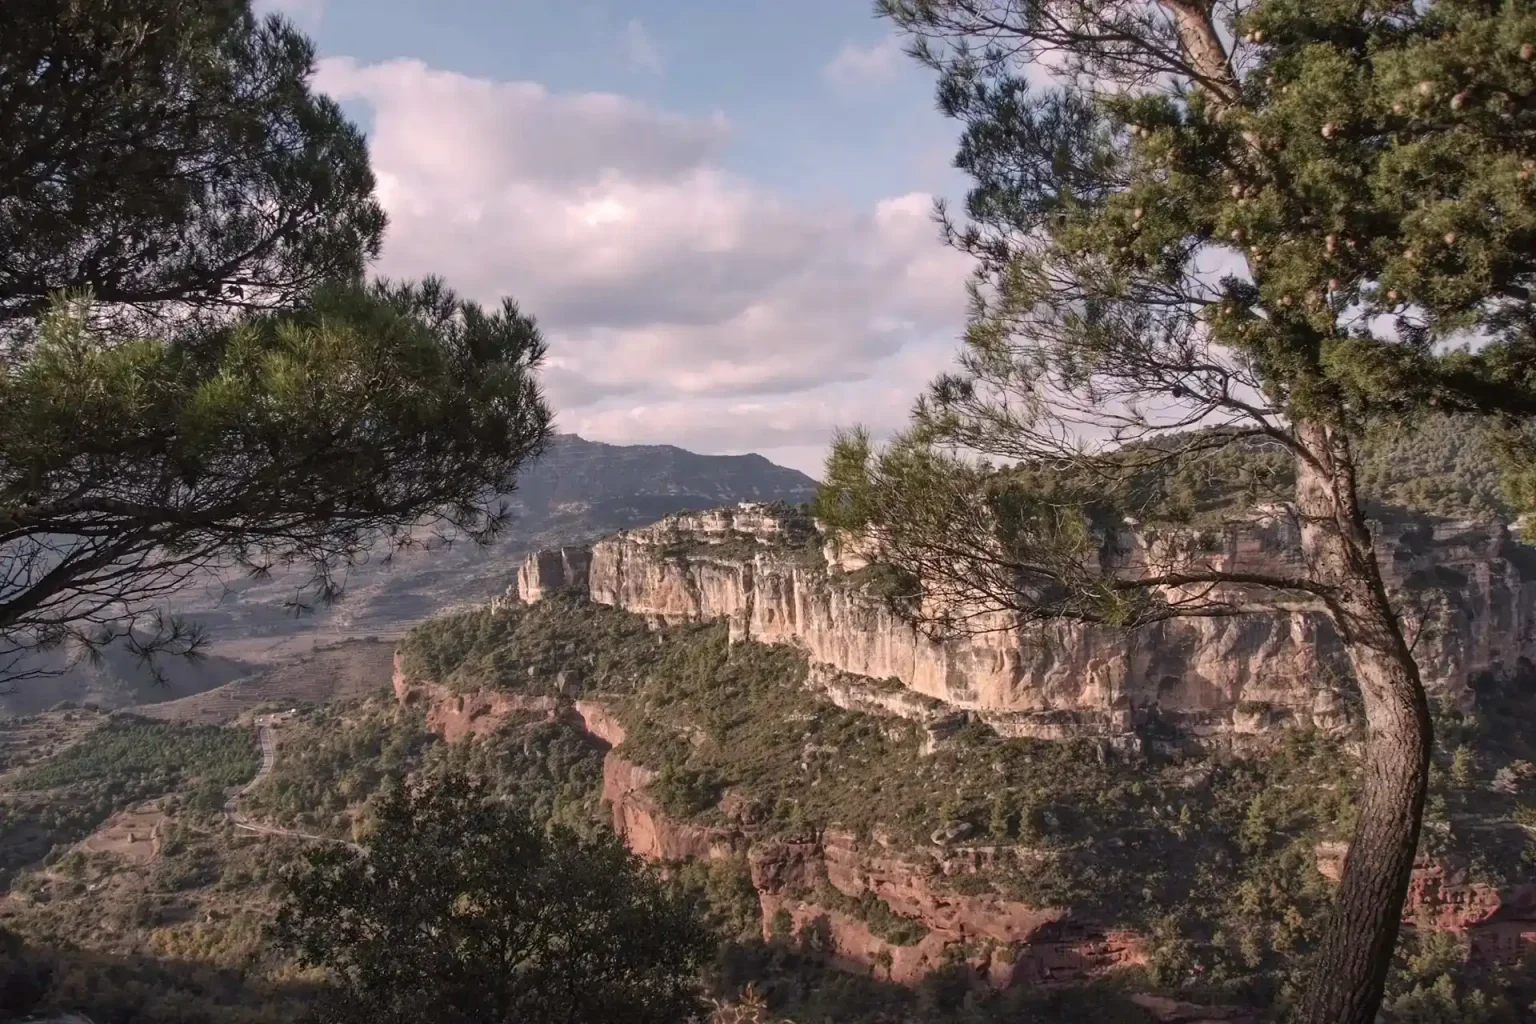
x=1500, y=924
x=767, y=572
x=775, y=579
x=1005, y=942
x=817, y=882
x=457, y=716
x=545, y=572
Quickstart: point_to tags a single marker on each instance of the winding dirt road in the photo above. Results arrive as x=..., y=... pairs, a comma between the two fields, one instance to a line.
x=266, y=732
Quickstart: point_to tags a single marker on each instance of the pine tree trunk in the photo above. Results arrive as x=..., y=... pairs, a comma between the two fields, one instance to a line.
x=1351, y=967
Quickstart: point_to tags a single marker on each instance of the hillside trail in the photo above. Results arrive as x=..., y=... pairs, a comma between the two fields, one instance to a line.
x=266, y=731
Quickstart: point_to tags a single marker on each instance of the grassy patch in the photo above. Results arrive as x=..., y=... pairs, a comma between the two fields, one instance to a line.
x=128, y=748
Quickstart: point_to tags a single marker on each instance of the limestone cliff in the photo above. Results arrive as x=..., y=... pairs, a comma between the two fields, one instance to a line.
x=544, y=572
x=898, y=911
x=1470, y=588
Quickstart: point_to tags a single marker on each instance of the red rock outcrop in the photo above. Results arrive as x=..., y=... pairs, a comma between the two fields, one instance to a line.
x=599, y=721
x=1005, y=942
x=1500, y=924
x=456, y=716
x=649, y=832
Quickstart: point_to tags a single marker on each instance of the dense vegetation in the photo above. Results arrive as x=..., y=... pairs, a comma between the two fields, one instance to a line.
x=140, y=928
x=1214, y=859
x=552, y=770
x=184, y=936
x=121, y=762
x=338, y=760
x=466, y=910
x=334, y=759
x=41, y=977
x=1439, y=465
x=128, y=748
x=538, y=650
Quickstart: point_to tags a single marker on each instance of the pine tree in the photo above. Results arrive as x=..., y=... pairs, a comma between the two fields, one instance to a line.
x=169, y=157
x=194, y=376
x=464, y=909
x=1200, y=225
x=1463, y=767
x=1001, y=823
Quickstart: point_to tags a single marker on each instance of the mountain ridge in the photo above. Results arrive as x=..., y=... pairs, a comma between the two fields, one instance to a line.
x=576, y=491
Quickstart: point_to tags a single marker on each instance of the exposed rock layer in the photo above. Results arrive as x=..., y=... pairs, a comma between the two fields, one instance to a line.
x=772, y=576
x=457, y=716
x=1468, y=588
x=544, y=572
x=1005, y=942
x=1500, y=924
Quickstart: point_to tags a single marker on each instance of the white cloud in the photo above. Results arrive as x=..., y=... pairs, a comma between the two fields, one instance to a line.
x=640, y=51
x=682, y=303
x=862, y=64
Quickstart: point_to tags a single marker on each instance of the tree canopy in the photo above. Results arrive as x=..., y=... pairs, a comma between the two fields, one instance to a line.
x=170, y=157
x=464, y=911
x=194, y=374
x=132, y=465
x=1200, y=227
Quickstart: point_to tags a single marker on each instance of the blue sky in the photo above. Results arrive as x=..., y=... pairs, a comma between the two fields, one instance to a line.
x=719, y=211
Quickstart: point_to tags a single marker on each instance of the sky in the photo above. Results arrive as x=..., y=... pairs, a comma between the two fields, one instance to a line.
x=719, y=211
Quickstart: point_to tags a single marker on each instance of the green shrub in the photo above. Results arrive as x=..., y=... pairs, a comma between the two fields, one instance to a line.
x=127, y=749
x=882, y=921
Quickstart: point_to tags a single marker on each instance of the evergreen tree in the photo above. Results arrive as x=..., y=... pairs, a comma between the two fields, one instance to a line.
x=133, y=466
x=193, y=375
x=1201, y=224
x=463, y=911
x=169, y=157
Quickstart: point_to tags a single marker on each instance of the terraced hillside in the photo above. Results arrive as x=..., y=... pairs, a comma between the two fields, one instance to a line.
x=340, y=672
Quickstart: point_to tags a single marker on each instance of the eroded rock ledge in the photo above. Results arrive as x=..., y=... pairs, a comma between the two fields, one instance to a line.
x=772, y=575
x=1005, y=942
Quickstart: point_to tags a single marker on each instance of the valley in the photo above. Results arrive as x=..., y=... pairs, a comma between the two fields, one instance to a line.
x=576, y=491
x=1155, y=642
x=880, y=826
